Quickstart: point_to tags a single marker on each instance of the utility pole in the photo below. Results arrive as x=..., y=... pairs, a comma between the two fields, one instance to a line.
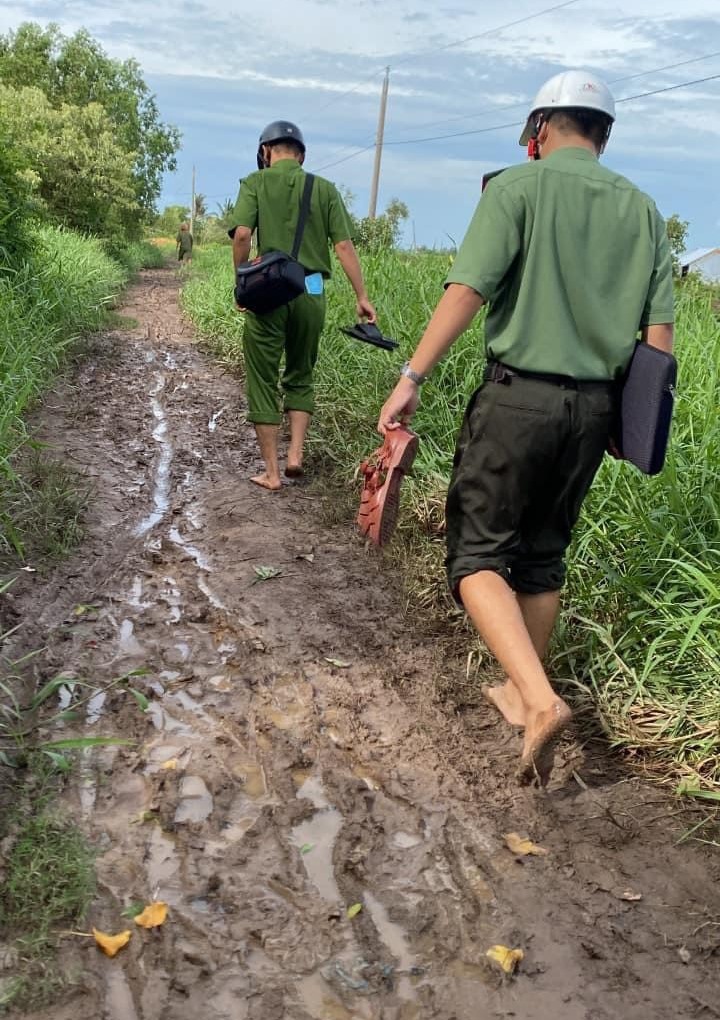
x=192, y=203
x=378, y=146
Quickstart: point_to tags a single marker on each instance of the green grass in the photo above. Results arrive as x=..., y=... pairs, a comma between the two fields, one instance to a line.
x=49, y=885
x=640, y=630
x=64, y=292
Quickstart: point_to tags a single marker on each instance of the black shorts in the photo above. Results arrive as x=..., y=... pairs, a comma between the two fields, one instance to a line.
x=526, y=456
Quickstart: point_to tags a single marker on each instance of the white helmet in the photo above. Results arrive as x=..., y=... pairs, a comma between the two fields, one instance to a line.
x=578, y=89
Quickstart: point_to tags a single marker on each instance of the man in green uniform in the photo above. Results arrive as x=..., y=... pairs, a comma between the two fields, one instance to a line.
x=573, y=261
x=184, y=241
x=269, y=200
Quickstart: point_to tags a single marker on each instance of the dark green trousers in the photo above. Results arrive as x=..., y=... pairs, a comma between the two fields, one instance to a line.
x=292, y=331
x=525, y=458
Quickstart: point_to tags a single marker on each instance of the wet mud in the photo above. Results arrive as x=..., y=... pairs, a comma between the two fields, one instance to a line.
x=293, y=760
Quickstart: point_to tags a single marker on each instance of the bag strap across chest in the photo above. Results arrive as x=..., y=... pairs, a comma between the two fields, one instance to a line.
x=304, y=212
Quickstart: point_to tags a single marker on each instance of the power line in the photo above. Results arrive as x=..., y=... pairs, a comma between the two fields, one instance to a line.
x=348, y=92
x=337, y=162
x=500, y=127
x=483, y=35
x=671, y=88
x=514, y=106
x=519, y=123
x=446, y=46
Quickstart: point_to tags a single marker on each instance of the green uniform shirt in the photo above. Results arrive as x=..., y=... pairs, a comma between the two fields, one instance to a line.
x=270, y=200
x=184, y=239
x=573, y=259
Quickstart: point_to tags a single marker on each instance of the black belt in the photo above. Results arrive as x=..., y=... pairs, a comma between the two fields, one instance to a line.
x=496, y=371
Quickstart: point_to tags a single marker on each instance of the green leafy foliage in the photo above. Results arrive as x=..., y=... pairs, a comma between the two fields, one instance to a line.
x=381, y=233
x=169, y=220
x=14, y=202
x=76, y=72
x=79, y=173
x=677, y=235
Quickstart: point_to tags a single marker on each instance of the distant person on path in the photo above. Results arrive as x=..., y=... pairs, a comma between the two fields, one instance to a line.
x=184, y=242
x=270, y=201
x=573, y=261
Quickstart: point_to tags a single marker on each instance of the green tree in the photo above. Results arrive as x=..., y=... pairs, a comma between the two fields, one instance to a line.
x=677, y=235
x=76, y=71
x=169, y=220
x=200, y=206
x=382, y=233
x=72, y=163
x=15, y=206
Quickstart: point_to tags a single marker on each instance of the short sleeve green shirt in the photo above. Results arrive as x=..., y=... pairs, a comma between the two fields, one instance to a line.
x=269, y=200
x=573, y=259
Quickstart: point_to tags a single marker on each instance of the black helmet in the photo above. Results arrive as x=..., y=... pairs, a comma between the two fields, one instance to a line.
x=279, y=131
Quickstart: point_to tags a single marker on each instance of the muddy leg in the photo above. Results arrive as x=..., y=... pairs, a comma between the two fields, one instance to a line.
x=539, y=613
x=299, y=423
x=267, y=436
x=497, y=614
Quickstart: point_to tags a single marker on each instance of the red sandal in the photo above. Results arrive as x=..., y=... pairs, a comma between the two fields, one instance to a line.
x=383, y=473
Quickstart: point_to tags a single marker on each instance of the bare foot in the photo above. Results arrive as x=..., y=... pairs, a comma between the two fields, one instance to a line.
x=506, y=699
x=265, y=482
x=542, y=731
x=294, y=471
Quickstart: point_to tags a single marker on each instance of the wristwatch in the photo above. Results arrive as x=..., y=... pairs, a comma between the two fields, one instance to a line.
x=409, y=373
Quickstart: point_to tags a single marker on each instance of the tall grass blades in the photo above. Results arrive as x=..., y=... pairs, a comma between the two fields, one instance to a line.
x=641, y=626
x=45, y=305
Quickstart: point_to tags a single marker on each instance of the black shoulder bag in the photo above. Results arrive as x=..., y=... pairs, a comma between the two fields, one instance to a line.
x=646, y=408
x=275, y=279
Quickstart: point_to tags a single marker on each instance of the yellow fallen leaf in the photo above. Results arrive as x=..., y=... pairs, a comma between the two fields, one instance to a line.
x=111, y=944
x=507, y=958
x=171, y=763
x=354, y=910
x=524, y=847
x=153, y=915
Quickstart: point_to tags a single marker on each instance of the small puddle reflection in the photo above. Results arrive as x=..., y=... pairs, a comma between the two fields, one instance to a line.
x=209, y=594
x=95, y=707
x=197, y=554
x=319, y=833
x=135, y=595
x=196, y=802
x=405, y=840
x=395, y=939
x=127, y=642
x=214, y=418
x=162, y=866
x=162, y=720
x=161, y=490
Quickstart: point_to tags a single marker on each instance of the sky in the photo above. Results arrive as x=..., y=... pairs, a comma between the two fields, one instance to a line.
x=221, y=71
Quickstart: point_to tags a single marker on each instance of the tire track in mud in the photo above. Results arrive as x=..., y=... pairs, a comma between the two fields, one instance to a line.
x=269, y=788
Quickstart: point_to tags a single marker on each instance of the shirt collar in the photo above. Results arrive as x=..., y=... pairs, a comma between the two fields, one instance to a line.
x=572, y=152
x=285, y=165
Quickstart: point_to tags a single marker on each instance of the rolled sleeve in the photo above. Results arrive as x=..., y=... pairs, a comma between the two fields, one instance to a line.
x=659, y=307
x=339, y=224
x=490, y=246
x=245, y=213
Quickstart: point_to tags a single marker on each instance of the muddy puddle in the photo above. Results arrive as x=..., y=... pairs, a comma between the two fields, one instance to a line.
x=265, y=791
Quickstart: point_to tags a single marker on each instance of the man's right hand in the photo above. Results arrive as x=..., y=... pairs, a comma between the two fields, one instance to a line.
x=399, y=407
x=365, y=310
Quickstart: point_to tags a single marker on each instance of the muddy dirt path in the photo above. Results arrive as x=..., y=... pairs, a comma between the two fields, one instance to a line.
x=312, y=769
